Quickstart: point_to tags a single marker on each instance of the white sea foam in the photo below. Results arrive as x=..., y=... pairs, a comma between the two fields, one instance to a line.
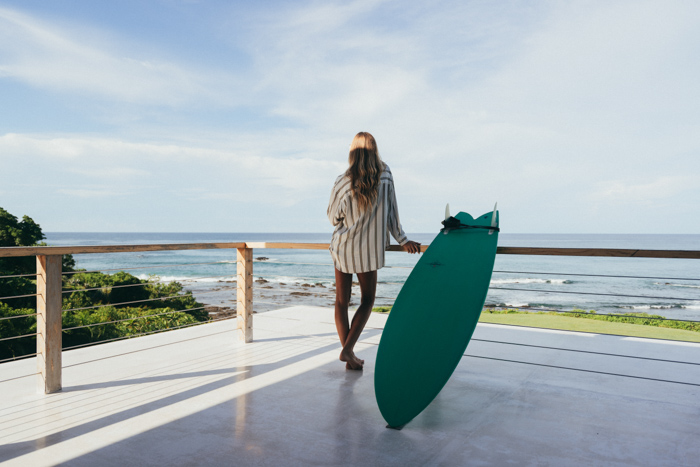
x=509, y=304
x=518, y=304
x=656, y=307
x=671, y=284
x=293, y=280
x=186, y=279
x=529, y=280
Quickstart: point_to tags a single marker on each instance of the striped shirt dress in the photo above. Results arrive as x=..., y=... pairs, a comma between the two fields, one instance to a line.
x=360, y=239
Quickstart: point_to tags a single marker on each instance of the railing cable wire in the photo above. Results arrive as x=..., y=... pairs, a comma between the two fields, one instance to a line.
x=147, y=333
x=18, y=337
x=19, y=296
x=18, y=275
x=65, y=291
x=598, y=275
x=586, y=352
x=590, y=293
x=139, y=301
x=157, y=266
x=132, y=319
x=583, y=370
x=18, y=357
x=17, y=316
x=584, y=312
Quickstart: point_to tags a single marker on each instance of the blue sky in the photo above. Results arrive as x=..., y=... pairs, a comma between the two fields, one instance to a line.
x=577, y=116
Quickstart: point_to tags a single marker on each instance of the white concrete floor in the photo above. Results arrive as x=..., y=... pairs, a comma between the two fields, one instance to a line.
x=197, y=397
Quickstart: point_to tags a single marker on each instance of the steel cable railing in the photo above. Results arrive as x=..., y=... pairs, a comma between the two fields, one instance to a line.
x=109, y=287
x=18, y=275
x=18, y=296
x=156, y=266
x=330, y=265
x=599, y=294
x=142, y=284
x=522, y=289
x=498, y=271
x=33, y=334
x=564, y=349
x=19, y=357
x=259, y=278
x=134, y=318
x=589, y=352
x=584, y=312
x=583, y=370
x=138, y=301
x=598, y=275
x=2, y=318
x=199, y=323
x=524, y=308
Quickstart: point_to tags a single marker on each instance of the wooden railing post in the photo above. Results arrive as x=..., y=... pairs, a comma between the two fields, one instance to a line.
x=244, y=294
x=48, y=322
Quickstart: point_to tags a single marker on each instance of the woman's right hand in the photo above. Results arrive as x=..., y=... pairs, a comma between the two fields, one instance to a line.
x=411, y=247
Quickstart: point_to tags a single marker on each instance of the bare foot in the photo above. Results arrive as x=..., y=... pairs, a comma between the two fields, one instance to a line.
x=351, y=361
x=351, y=366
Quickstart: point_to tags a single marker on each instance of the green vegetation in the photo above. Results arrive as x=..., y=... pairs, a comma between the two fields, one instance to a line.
x=630, y=324
x=95, y=292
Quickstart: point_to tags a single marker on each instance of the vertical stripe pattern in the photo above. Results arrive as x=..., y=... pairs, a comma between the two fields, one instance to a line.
x=360, y=239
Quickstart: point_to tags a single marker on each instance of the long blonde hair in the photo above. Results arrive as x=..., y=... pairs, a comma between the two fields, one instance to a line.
x=365, y=169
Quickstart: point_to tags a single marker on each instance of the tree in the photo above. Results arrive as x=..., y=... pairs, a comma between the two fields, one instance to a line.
x=26, y=232
x=100, y=296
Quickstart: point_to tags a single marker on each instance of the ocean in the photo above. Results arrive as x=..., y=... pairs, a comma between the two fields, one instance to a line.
x=666, y=287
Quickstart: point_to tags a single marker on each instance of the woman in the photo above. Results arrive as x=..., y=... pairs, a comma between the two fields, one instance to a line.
x=364, y=212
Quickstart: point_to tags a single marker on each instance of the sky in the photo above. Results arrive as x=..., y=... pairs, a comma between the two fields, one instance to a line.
x=225, y=116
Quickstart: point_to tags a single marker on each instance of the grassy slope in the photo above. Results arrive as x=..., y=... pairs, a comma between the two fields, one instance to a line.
x=568, y=323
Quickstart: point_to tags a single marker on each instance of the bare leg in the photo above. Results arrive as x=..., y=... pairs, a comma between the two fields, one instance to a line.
x=343, y=289
x=368, y=287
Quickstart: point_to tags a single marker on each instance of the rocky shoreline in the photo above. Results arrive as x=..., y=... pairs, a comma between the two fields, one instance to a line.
x=219, y=297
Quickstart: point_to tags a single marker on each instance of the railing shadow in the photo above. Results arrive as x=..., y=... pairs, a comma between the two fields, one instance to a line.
x=237, y=374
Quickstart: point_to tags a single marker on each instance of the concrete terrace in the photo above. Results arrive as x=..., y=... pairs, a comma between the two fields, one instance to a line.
x=197, y=397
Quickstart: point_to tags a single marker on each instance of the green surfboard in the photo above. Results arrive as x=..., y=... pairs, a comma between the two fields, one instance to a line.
x=434, y=317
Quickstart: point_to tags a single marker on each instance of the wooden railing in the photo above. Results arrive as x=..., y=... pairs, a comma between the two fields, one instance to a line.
x=49, y=284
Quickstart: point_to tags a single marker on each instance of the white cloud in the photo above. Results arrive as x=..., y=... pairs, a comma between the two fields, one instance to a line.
x=545, y=107
x=46, y=56
x=661, y=189
x=285, y=180
x=90, y=193
x=109, y=172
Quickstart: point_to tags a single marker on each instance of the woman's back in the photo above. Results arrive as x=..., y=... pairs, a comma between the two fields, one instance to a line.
x=362, y=236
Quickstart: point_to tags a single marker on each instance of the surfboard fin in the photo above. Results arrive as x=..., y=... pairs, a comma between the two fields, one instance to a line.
x=447, y=216
x=494, y=218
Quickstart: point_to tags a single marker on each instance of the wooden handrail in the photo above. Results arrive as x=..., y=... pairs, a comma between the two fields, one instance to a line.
x=609, y=252
x=7, y=252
